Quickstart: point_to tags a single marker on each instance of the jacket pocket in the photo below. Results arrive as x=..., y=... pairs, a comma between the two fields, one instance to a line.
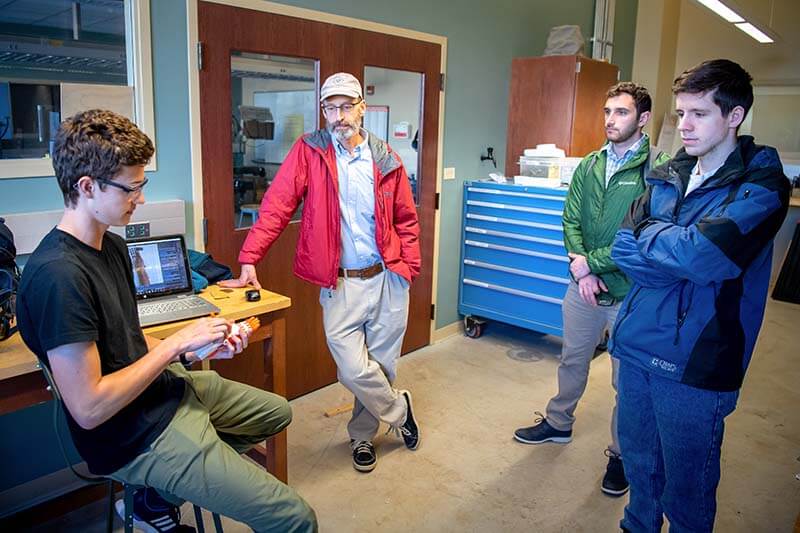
x=626, y=314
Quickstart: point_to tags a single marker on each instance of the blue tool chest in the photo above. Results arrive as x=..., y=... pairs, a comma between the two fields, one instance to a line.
x=514, y=267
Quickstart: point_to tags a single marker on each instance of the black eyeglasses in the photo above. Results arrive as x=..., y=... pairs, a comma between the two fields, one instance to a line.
x=347, y=107
x=130, y=190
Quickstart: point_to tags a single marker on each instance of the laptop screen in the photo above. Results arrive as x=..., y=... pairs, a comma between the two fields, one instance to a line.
x=160, y=266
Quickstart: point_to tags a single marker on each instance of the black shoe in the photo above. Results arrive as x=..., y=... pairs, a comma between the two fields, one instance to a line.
x=364, y=458
x=153, y=514
x=614, y=482
x=542, y=432
x=409, y=430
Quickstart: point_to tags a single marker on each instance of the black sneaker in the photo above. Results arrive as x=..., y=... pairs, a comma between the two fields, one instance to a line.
x=542, y=432
x=153, y=514
x=364, y=458
x=614, y=482
x=409, y=430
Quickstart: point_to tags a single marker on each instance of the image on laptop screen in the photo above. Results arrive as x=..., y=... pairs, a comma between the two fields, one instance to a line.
x=159, y=267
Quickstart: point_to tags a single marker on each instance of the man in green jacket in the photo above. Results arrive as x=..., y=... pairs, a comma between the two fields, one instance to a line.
x=603, y=187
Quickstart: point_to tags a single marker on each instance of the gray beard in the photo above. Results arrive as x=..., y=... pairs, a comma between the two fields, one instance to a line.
x=342, y=135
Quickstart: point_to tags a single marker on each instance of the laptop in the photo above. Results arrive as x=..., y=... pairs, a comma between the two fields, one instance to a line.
x=163, y=281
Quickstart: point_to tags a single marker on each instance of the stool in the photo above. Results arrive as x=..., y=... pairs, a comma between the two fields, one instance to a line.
x=128, y=488
x=248, y=209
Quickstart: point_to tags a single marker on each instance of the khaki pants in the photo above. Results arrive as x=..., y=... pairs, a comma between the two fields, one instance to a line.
x=365, y=320
x=583, y=326
x=198, y=456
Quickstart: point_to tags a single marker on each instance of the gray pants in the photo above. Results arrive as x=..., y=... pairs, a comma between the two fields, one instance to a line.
x=583, y=326
x=197, y=457
x=365, y=320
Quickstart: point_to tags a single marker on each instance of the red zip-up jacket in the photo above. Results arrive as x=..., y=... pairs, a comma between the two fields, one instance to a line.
x=309, y=173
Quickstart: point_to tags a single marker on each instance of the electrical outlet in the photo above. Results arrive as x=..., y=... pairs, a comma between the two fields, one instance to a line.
x=449, y=173
x=137, y=230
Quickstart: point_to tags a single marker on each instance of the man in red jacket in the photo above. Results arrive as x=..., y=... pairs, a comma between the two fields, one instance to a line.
x=359, y=240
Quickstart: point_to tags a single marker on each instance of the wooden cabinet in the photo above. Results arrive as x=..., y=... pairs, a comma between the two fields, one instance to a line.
x=557, y=99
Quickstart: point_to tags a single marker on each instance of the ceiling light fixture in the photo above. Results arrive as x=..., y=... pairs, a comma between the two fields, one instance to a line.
x=737, y=20
x=722, y=10
x=755, y=33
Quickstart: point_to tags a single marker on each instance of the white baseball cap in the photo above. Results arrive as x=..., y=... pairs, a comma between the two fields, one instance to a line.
x=340, y=84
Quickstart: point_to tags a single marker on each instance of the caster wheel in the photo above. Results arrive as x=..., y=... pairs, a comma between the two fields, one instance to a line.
x=473, y=328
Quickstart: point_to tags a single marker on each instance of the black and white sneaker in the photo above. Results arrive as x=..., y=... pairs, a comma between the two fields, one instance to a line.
x=409, y=430
x=364, y=457
x=614, y=482
x=541, y=432
x=153, y=514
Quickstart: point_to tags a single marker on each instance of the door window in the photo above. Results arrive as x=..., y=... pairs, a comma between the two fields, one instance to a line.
x=273, y=103
x=394, y=111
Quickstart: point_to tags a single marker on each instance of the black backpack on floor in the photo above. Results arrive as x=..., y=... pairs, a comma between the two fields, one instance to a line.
x=9, y=281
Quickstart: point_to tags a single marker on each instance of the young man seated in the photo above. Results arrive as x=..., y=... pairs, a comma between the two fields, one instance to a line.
x=134, y=414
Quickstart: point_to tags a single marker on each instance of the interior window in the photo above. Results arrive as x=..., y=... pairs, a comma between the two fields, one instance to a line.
x=394, y=113
x=273, y=102
x=58, y=57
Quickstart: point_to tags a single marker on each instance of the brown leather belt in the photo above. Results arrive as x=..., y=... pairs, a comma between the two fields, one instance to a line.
x=364, y=273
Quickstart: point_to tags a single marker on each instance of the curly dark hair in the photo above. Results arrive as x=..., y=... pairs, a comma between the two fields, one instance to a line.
x=96, y=143
x=731, y=84
x=639, y=94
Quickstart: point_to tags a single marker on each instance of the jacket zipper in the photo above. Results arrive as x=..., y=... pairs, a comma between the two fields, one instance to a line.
x=680, y=196
x=337, y=253
x=681, y=316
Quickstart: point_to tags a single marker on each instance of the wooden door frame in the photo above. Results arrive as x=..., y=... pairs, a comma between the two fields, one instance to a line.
x=195, y=149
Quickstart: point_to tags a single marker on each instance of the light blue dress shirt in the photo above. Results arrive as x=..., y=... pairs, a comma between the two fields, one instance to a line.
x=614, y=163
x=357, y=205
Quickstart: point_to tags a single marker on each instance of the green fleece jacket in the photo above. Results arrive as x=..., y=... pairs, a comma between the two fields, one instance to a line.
x=593, y=213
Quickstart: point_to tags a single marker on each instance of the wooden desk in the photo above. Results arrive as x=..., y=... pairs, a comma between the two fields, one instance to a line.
x=262, y=364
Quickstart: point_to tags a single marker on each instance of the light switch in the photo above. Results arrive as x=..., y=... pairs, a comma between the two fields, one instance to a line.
x=449, y=173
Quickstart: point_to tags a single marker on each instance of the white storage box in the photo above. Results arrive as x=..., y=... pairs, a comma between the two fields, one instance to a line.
x=567, y=168
x=536, y=167
x=541, y=162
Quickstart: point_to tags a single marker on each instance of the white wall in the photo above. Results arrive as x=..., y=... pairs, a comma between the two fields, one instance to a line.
x=676, y=35
x=704, y=35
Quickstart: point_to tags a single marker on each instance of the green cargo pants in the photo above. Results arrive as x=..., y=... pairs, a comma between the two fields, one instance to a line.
x=198, y=456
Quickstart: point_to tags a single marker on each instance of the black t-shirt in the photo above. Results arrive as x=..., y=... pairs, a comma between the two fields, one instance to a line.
x=71, y=292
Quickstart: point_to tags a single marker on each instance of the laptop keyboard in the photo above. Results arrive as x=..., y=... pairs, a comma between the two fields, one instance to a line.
x=158, y=308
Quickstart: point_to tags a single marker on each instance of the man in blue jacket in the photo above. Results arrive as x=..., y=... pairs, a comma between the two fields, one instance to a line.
x=697, y=246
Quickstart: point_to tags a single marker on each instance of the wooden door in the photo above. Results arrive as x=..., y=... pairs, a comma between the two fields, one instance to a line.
x=231, y=34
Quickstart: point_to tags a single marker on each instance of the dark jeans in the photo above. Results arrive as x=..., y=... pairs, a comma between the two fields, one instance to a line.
x=671, y=435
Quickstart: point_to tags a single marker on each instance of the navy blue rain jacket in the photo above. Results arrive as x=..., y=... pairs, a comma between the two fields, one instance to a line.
x=700, y=267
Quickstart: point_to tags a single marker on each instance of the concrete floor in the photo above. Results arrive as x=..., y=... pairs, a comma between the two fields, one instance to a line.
x=469, y=474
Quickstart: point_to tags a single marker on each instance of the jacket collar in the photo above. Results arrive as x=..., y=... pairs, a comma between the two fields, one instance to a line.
x=385, y=159
x=747, y=156
x=637, y=150
x=638, y=158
